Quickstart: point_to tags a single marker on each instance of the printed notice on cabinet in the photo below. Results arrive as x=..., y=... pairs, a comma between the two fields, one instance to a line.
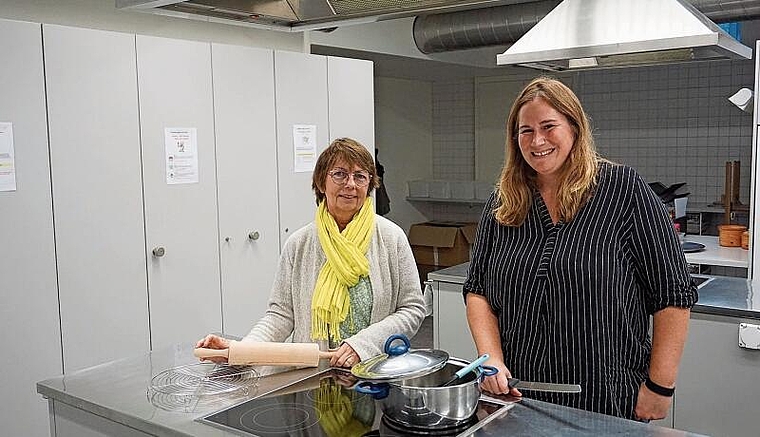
x=304, y=147
x=7, y=163
x=181, y=146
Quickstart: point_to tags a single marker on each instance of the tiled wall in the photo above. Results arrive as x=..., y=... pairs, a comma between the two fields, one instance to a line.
x=454, y=130
x=672, y=123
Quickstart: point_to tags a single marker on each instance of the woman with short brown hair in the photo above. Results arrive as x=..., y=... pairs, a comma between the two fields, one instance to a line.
x=348, y=279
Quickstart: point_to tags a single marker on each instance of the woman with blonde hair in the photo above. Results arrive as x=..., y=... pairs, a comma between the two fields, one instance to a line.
x=573, y=254
x=348, y=279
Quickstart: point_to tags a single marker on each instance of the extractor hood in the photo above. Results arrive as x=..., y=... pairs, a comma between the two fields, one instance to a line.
x=585, y=34
x=298, y=15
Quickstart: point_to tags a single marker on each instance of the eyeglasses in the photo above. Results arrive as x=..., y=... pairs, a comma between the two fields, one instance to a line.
x=340, y=177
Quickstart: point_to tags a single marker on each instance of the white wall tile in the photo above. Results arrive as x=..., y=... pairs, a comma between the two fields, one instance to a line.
x=672, y=123
x=453, y=130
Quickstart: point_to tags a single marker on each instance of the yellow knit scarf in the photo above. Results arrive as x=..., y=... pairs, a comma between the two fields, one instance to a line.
x=346, y=263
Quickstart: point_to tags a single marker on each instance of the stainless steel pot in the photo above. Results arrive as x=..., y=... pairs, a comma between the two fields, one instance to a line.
x=421, y=402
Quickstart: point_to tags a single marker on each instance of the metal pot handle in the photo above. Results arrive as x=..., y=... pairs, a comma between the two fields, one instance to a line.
x=377, y=391
x=400, y=349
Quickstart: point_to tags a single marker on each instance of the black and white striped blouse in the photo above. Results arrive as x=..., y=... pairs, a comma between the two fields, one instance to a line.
x=573, y=299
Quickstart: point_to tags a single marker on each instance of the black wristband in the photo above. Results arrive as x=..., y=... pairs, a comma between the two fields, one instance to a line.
x=660, y=390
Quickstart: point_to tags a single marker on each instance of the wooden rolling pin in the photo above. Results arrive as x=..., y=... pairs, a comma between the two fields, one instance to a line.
x=267, y=354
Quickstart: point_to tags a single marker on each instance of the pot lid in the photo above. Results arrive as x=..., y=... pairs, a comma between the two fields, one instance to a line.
x=399, y=362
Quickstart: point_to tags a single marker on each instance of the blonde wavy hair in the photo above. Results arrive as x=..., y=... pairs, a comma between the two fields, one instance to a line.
x=578, y=173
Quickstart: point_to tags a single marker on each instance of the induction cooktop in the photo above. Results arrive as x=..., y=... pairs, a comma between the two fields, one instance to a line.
x=327, y=405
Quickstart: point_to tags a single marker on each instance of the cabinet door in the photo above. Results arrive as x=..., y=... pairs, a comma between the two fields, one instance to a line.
x=452, y=332
x=301, y=89
x=97, y=193
x=718, y=390
x=29, y=312
x=174, y=78
x=350, y=85
x=246, y=150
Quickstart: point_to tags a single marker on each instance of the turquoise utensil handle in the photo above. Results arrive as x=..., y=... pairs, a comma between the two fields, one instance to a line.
x=470, y=367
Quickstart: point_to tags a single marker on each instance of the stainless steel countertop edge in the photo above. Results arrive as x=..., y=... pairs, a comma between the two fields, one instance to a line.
x=69, y=388
x=111, y=414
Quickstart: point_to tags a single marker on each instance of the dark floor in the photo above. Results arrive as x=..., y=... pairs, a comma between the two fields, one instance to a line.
x=424, y=337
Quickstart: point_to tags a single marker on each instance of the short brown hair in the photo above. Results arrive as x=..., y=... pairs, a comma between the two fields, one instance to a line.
x=349, y=151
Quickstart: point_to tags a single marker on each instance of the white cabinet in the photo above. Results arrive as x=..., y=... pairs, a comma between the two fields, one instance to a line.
x=451, y=331
x=29, y=312
x=301, y=89
x=256, y=159
x=246, y=150
x=97, y=194
x=79, y=277
x=351, y=98
x=718, y=391
x=174, y=81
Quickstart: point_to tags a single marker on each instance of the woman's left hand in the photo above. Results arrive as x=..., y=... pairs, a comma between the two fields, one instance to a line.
x=651, y=406
x=344, y=356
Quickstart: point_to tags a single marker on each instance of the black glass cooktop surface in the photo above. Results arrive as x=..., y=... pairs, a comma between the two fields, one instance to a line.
x=327, y=405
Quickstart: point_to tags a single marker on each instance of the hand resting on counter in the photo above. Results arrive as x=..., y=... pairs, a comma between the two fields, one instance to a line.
x=343, y=356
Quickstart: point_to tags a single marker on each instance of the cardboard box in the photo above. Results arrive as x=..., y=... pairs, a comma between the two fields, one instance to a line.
x=441, y=244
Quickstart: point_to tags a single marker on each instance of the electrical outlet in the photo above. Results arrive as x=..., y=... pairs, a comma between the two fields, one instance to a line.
x=749, y=336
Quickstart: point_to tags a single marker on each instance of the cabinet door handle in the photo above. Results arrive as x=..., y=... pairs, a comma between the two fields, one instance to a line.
x=159, y=251
x=253, y=235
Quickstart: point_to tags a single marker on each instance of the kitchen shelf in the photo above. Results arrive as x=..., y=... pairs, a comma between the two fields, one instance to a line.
x=715, y=254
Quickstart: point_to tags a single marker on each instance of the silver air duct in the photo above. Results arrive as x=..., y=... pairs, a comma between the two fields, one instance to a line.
x=504, y=25
x=478, y=28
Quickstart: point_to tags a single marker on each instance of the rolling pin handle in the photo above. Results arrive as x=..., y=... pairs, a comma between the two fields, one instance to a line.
x=201, y=352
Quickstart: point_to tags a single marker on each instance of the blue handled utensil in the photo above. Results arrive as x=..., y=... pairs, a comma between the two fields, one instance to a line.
x=467, y=369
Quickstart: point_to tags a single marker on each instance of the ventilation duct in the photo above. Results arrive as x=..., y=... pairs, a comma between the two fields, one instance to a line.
x=477, y=28
x=299, y=15
x=722, y=11
x=503, y=25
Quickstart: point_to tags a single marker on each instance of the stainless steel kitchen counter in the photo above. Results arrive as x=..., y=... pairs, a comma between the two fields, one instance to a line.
x=117, y=392
x=723, y=295
x=535, y=418
x=715, y=254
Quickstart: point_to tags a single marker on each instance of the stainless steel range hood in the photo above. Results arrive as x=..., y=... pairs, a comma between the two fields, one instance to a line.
x=299, y=15
x=584, y=34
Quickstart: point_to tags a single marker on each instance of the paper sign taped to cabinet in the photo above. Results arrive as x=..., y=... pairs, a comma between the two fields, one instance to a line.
x=181, y=146
x=304, y=147
x=7, y=163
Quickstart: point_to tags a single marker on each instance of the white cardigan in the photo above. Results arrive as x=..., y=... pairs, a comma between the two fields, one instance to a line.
x=398, y=306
